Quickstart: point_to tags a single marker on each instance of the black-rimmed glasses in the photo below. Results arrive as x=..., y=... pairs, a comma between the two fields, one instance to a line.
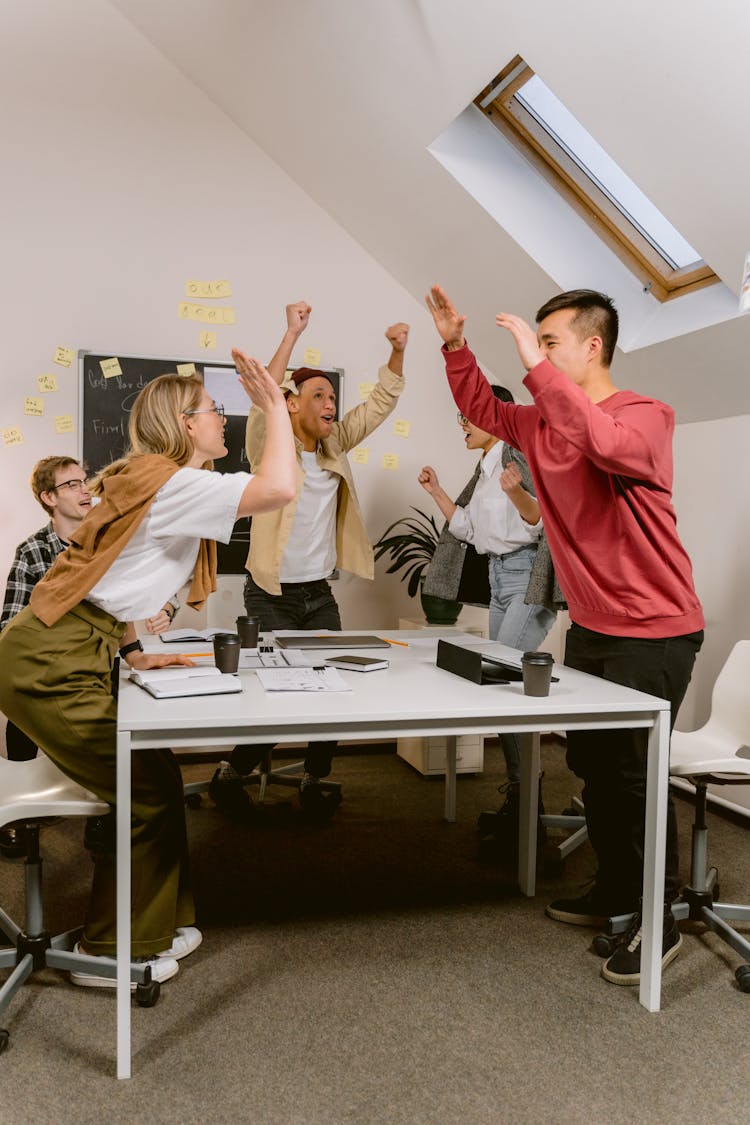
x=462, y=419
x=217, y=408
x=74, y=485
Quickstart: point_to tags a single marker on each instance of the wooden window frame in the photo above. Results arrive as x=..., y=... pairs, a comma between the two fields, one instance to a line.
x=537, y=145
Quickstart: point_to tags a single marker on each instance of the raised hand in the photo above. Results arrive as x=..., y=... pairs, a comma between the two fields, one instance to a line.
x=525, y=337
x=510, y=478
x=262, y=389
x=298, y=317
x=428, y=478
x=397, y=336
x=448, y=322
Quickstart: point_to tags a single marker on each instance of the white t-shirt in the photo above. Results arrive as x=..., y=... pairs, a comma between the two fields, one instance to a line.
x=160, y=558
x=490, y=522
x=310, y=552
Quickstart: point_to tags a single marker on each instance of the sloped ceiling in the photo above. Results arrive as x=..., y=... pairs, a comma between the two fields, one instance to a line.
x=347, y=95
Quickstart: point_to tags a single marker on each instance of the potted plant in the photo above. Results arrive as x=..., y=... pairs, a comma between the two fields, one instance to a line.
x=410, y=543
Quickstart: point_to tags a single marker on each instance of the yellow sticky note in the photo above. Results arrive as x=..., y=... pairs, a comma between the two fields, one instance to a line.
x=205, y=314
x=110, y=367
x=63, y=356
x=12, y=436
x=207, y=339
x=401, y=427
x=46, y=383
x=33, y=406
x=312, y=357
x=186, y=369
x=365, y=389
x=210, y=289
x=64, y=424
x=361, y=455
x=390, y=460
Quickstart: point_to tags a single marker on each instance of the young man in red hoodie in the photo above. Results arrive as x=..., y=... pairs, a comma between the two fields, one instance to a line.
x=601, y=459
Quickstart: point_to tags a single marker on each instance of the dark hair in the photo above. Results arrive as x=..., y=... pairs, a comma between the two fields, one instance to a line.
x=502, y=393
x=302, y=374
x=596, y=315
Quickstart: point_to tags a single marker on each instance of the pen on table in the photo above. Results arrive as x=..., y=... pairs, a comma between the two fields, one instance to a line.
x=190, y=655
x=403, y=644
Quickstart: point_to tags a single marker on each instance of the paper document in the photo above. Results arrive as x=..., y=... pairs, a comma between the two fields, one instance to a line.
x=301, y=679
x=168, y=683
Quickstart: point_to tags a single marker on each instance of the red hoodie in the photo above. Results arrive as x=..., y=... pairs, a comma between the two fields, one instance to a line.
x=603, y=476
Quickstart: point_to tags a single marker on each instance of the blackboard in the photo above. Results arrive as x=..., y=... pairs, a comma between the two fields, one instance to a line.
x=104, y=409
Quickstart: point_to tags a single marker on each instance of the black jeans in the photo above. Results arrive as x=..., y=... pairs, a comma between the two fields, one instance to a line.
x=612, y=763
x=300, y=605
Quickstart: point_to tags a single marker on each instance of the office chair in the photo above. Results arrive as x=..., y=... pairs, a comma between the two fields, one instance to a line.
x=718, y=753
x=30, y=792
x=265, y=775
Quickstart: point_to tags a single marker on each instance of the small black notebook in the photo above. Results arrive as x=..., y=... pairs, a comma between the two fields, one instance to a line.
x=329, y=640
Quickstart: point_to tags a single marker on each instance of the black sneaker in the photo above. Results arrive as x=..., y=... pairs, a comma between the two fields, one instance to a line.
x=590, y=909
x=500, y=828
x=229, y=795
x=316, y=804
x=624, y=966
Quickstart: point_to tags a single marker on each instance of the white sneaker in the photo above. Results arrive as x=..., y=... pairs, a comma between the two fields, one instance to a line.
x=162, y=968
x=186, y=940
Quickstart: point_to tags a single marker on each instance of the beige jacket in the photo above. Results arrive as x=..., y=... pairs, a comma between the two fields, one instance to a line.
x=270, y=530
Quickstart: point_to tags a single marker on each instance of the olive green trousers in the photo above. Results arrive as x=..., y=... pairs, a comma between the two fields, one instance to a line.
x=56, y=685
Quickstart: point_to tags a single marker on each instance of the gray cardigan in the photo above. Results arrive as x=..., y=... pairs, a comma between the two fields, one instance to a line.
x=444, y=574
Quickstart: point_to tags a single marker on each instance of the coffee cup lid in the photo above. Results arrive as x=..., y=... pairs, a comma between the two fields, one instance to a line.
x=538, y=658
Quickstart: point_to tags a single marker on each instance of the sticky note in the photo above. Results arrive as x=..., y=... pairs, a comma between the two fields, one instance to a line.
x=390, y=460
x=33, y=406
x=401, y=427
x=64, y=423
x=46, y=383
x=63, y=356
x=208, y=289
x=365, y=389
x=312, y=357
x=186, y=369
x=207, y=339
x=361, y=455
x=206, y=314
x=12, y=436
x=110, y=367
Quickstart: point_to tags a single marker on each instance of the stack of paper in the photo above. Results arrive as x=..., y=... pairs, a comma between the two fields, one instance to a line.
x=301, y=679
x=167, y=683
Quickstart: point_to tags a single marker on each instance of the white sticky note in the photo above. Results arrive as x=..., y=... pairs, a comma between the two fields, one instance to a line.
x=207, y=339
x=33, y=406
x=312, y=357
x=12, y=436
x=46, y=383
x=64, y=424
x=361, y=455
x=186, y=369
x=401, y=427
x=208, y=289
x=365, y=390
x=390, y=461
x=110, y=367
x=63, y=356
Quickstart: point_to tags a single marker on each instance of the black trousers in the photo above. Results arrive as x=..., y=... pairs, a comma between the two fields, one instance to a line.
x=612, y=763
x=19, y=746
x=300, y=605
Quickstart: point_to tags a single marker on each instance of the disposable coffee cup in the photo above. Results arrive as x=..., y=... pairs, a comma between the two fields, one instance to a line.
x=247, y=627
x=227, y=652
x=537, y=672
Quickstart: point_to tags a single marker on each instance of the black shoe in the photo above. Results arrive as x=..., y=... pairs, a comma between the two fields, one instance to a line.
x=624, y=966
x=591, y=909
x=229, y=795
x=498, y=831
x=99, y=834
x=13, y=842
x=316, y=804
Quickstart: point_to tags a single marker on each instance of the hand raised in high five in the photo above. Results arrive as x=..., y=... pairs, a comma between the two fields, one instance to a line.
x=448, y=322
x=397, y=336
x=428, y=478
x=525, y=338
x=262, y=389
x=298, y=317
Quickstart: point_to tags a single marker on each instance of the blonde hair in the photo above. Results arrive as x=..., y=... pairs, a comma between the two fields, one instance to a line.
x=156, y=424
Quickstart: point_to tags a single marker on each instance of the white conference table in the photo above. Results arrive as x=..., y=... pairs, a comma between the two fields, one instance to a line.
x=411, y=698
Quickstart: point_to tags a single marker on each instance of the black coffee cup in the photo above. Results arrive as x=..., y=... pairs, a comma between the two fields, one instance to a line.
x=247, y=627
x=537, y=672
x=227, y=652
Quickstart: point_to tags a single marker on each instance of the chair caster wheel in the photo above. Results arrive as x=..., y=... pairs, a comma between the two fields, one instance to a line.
x=742, y=976
x=146, y=995
x=603, y=945
x=193, y=800
x=571, y=810
x=4, y=1037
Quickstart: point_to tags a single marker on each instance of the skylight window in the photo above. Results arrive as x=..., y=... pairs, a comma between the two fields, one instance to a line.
x=526, y=111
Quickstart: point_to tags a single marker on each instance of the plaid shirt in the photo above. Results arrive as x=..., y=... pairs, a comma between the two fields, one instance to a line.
x=33, y=559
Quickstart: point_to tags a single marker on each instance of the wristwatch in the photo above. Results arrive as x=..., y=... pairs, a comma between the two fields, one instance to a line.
x=134, y=646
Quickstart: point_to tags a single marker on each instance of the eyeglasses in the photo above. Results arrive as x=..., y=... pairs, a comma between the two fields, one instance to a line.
x=217, y=408
x=462, y=419
x=74, y=485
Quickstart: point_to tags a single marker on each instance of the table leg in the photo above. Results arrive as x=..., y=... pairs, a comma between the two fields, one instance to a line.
x=123, y=905
x=654, y=853
x=450, y=778
x=527, y=821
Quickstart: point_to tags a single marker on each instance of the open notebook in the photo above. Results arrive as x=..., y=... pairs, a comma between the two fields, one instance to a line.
x=167, y=683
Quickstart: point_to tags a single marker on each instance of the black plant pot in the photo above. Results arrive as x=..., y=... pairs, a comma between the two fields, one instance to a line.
x=439, y=611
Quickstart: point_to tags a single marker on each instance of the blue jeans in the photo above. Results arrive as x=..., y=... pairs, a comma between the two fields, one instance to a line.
x=516, y=624
x=300, y=605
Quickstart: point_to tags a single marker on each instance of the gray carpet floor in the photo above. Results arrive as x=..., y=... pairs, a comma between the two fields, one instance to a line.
x=371, y=970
